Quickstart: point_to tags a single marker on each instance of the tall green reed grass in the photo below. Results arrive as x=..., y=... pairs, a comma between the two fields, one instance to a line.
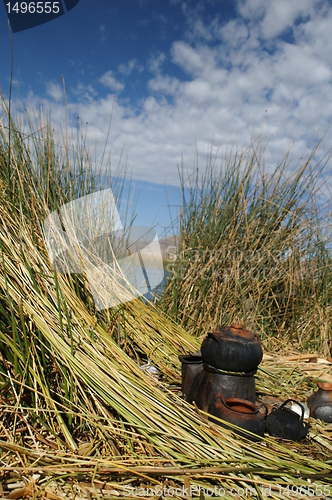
x=255, y=248
x=39, y=173
x=44, y=173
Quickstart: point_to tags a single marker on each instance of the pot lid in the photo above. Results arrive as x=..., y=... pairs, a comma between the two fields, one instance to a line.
x=235, y=331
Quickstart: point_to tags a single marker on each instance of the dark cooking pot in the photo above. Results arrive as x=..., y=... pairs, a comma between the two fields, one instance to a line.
x=285, y=423
x=242, y=413
x=192, y=365
x=212, y=381
x=233, y=349
x=320, y=402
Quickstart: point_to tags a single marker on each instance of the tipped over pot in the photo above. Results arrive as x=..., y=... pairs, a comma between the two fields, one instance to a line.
x=242, y=413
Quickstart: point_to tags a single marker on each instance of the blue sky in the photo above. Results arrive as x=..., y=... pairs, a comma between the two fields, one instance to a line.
x=181, y=71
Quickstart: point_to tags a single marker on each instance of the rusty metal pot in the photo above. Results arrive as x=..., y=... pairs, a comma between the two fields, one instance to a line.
x=320, y=402
x=192, y=366
x=285, y=423
x=233, y=349
x=242, y=413
x=212, y=381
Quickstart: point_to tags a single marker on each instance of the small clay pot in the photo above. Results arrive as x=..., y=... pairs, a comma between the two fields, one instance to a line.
x=287, y=424
x=320, y=402
x=242, y=413
x=233, y=349
x=212, y=381
x=192, y=366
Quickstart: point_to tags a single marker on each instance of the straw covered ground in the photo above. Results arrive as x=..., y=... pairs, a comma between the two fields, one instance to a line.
x=80, y=418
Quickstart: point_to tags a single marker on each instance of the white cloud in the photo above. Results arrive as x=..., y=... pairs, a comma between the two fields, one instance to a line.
x=190, y=59
x=155, y=62
x=234, y=34
x=110, y=81
x=126, y=69
x=252, y=10
x=84, y=92
x=231, y=79
x=166, y=85
x=281, y=14
x=55, y=91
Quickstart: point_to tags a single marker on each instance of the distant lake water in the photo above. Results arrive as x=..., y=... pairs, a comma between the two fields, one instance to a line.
x=159, y=290
x=146, y=280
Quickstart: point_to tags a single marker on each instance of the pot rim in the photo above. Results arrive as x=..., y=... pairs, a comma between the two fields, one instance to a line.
x=243, y=402
x=190, y=359
x=325, y=386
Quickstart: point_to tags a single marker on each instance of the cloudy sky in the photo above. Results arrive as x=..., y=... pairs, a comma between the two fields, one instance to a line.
x=180, y=71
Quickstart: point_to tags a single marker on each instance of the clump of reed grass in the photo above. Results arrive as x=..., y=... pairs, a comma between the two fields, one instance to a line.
x=255, y=248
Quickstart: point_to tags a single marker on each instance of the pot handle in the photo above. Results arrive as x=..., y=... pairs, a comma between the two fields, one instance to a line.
x=294, y=401
x=220, y=396
x=263, y=405
x=211, y=335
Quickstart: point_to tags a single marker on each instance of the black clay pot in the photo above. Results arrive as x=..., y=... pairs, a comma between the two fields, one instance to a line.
x=212, y=381
x=242, y=413
x=192, y=366
x=320, y=402
x=285, y=423
x=233, y=349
